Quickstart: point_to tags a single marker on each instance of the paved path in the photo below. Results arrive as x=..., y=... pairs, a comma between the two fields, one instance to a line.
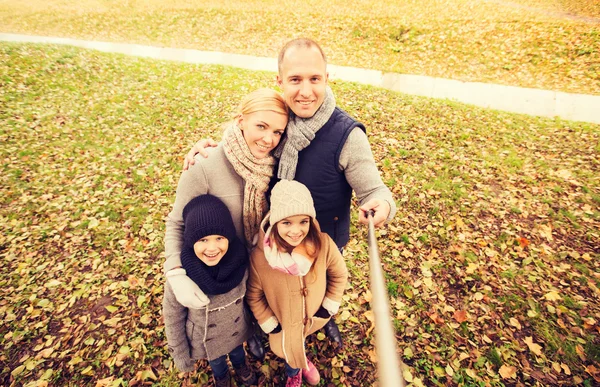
x=536, y=102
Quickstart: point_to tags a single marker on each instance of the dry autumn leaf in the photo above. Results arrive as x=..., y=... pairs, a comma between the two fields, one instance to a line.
x=507, y=372
x=533, y=347
x=460, y=316
x=515, y=323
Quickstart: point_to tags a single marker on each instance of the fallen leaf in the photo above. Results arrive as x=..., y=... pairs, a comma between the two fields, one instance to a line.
x=507, y=372
x=436, y=318
x=460, y=316
x=523, y=242
x=515, y=323
x=371, y=317
x=533, y=347
x=552, y=296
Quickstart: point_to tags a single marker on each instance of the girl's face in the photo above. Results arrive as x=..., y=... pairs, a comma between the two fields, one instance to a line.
x=211, y=249
x=262, y=131
x=294, y=229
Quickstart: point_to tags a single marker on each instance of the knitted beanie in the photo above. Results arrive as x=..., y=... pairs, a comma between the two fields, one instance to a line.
x=290, y=198
x=206, y=215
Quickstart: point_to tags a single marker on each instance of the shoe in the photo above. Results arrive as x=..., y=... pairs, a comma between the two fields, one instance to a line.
x=224, y=381
x=311, y=376
x=246, y=375
x=333, y=332
x=255, y=347
x=294, y=381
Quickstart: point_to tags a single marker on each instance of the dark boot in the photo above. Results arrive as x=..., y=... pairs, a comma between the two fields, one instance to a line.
x=246, y=375
x=255, y=342
x=333, y=332
x=255, y=347
x=224, y=382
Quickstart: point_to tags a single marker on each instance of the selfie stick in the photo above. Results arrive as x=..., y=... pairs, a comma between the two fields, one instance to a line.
x=388, y=362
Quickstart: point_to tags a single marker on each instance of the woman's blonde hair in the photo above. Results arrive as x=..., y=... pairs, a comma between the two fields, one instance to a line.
x=262, y=100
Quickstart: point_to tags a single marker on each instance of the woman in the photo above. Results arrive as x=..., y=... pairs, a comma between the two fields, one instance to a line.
x=238, y=172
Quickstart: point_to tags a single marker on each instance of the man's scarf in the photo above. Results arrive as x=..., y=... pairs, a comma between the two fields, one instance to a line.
x=298, y=135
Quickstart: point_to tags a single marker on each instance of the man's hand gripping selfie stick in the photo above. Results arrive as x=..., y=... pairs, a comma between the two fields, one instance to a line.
x=388, y=362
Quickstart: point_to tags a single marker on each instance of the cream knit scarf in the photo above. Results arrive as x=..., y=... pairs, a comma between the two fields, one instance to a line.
x=256, y=174
x=298, y=135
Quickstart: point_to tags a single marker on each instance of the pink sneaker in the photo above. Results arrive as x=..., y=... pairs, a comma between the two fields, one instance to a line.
x=311, y=376
x=294, y=381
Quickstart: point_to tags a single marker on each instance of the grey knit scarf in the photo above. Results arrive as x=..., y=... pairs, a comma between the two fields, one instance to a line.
x=298, y=135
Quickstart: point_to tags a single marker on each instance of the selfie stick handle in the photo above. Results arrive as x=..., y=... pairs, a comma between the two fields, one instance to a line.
x=388, y=362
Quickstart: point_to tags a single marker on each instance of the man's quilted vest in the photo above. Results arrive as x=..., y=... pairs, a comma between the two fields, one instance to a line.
x=318, y=169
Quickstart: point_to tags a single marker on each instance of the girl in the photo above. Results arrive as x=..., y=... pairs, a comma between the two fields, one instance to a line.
x=217, y=261
x=297, y=278
x=238, y=172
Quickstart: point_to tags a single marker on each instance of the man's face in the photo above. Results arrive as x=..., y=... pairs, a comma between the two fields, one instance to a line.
x=303, y=78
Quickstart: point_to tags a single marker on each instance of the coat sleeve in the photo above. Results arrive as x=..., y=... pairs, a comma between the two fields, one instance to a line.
x=175, y=317
x=257, y=301
x=192, y=183
x=337, y=277
x=358, y=164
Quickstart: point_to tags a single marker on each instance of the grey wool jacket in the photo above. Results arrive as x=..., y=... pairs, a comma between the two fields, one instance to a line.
x=206, y=333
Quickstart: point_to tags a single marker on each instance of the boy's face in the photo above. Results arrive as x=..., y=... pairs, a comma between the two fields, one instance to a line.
x=211, y=249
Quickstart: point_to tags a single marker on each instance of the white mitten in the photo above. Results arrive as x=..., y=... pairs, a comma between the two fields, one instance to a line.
x=186, y=291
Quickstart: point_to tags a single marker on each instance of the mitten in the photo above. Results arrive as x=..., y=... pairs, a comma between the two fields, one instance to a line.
x=186, y=291
x=322, y=313
x=184, y=363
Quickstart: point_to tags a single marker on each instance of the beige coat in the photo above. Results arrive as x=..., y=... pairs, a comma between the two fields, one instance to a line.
x=294, y=300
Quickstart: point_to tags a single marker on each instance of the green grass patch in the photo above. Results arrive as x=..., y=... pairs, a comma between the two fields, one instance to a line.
x=92, y=148
x=539, y=46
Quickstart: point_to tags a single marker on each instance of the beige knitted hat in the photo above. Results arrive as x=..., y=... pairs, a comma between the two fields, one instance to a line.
x=290, y=198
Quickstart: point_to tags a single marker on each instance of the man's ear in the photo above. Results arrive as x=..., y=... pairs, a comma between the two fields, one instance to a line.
x=278, y=80
x=326, y=77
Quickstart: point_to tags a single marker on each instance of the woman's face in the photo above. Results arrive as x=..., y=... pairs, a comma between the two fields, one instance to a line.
x=262, y=131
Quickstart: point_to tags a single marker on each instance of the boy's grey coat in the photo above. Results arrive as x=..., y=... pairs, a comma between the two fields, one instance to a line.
x=206, y=333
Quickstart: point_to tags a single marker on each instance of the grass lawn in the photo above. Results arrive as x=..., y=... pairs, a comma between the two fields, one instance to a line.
x=492, y=261
x=549, y=44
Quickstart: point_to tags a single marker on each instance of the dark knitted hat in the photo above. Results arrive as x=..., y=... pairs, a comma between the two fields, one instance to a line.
x=206, y=215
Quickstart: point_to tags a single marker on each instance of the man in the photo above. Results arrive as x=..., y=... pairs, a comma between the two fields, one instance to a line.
x=324, y=148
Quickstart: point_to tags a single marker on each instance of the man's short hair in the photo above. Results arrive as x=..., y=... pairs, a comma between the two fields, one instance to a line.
x=299, y=42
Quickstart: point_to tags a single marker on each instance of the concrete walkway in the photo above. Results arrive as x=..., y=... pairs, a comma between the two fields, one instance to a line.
x=536, y=102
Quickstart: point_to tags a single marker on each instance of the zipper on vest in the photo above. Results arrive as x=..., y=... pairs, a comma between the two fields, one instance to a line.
x=335, y=228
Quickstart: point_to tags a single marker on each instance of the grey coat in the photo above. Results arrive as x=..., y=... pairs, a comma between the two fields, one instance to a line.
x=214, y=175
x=206, y=333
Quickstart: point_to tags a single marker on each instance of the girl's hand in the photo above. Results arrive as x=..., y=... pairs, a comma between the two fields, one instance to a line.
x=198, y=147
